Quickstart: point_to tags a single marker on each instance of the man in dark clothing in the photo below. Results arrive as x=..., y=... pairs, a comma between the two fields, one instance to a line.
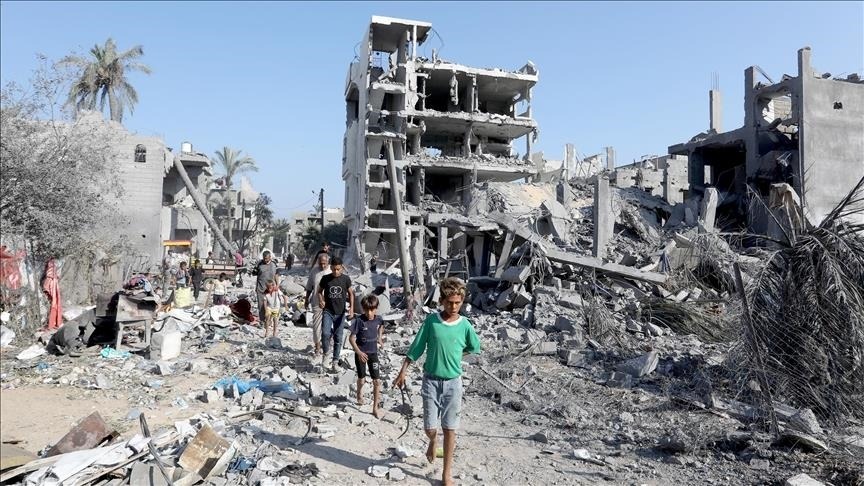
x=325, y=249
x=196, y=274
x=265, y=271
x=334, y=291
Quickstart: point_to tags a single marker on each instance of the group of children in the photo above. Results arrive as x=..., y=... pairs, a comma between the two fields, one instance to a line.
x=444, y=337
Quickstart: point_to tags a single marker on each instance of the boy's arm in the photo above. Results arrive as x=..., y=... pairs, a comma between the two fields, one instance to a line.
x=472, y=341
x=414, y=352
x=353, y=340
x=350, y=300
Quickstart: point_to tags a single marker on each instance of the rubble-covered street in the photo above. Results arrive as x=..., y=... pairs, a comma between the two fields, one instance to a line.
x=694, y=317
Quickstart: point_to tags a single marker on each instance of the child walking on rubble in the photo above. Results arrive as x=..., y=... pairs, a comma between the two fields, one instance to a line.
x=446, y=336
x=274, y=300
x=367, y=333
x=220, y=289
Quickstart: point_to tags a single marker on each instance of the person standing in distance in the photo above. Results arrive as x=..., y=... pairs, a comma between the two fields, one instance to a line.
x=333, y=292
x=311, y=301
x=445, y=336
x=265, y=271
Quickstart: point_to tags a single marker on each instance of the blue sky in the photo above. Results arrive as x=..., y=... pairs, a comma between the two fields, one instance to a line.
x=268, y=78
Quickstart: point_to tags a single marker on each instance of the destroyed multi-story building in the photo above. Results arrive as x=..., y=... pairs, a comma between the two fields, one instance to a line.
x=181, y=220
x=450, y=126
x=806, y=131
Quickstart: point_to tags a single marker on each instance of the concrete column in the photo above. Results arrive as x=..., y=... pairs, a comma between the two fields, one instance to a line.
x=528, y=136
x=610, y=158
x=470, y=95
x=603, y=223
x=715, y=110
x=708, y=209
x=443, y=247
x=569, y=161
x=479, y=254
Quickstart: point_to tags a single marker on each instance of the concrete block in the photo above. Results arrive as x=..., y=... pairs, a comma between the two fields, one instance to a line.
x=571, y=301
x=546, y=348
x=507, y=333
x=802, y=480
x=209, y=396
x=640, y=366
x=505, y=298
x=533, y=335
x=166, y=345
x=521, y=299
x=564, y=323
x=708, y=209
x=517, y=274
x=618, y=380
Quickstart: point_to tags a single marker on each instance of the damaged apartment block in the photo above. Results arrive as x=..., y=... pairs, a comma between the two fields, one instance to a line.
x=451, y=126
x=804, y=132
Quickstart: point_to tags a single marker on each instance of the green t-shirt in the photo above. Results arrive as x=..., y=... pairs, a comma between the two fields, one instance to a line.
x=444, y=342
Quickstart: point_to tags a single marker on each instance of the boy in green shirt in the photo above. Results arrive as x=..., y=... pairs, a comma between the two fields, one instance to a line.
x=445, y=336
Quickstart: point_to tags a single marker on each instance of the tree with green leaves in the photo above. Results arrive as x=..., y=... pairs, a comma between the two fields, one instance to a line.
x=103, y=76
x=231, y=163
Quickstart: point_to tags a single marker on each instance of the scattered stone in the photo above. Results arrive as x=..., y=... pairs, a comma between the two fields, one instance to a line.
x=641, y=366
x=799, y=439
x=395, y=474
x=164, y=368
x=507, y=333
x=633, y=326
x=675, y=441
x=103, y=383
x=404, y=452
x=539, y=437
x=565, y=324
x=654, y=329
x=516, y=274
x=805, y=421
x=571, y=301
x=166, y=345
x=209, y=396
x=288, y=374
x=802, y=480
x=546, y=348
x=626, y=417
x=273, y=342
x=378, y=471
x=618, y=380
x=760, y=464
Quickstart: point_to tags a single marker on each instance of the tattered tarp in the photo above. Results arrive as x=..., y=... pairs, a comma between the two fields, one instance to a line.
x=51, y=286
x=10, y=274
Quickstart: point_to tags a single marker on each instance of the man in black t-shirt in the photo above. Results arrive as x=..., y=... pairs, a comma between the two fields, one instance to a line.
x=334, y=291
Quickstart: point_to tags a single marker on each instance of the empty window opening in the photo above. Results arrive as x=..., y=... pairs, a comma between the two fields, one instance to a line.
x=838, y=105
x=140, y=153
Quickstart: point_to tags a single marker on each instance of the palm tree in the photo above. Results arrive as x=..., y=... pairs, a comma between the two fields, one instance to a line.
x=232, y=163
x=103, y=76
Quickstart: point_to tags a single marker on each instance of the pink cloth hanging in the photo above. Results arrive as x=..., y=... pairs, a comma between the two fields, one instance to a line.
x=51, y=286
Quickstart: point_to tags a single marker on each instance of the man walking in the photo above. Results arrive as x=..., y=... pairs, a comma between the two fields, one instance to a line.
x=265, y=271
x=312, y=303
x=333, y=291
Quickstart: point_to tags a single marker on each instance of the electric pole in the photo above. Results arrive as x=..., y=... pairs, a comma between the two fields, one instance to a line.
x=321, y=208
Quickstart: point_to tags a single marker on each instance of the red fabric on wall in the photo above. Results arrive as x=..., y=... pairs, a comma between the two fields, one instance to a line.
x=10, y=275
x=51, y=286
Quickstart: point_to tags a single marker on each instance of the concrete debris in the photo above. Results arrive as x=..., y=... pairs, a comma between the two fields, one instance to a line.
x=641, y=366
x=802, y=480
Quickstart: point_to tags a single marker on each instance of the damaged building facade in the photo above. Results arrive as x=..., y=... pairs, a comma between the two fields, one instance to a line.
x=450, y=127
x=806, y=131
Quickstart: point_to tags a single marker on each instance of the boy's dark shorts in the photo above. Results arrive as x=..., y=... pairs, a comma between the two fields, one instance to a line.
x=372, y=362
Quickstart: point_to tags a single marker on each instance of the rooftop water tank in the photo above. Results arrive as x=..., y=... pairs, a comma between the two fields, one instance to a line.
x=186, y=148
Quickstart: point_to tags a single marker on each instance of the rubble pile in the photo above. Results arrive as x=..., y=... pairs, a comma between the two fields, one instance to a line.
x=622, y=365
